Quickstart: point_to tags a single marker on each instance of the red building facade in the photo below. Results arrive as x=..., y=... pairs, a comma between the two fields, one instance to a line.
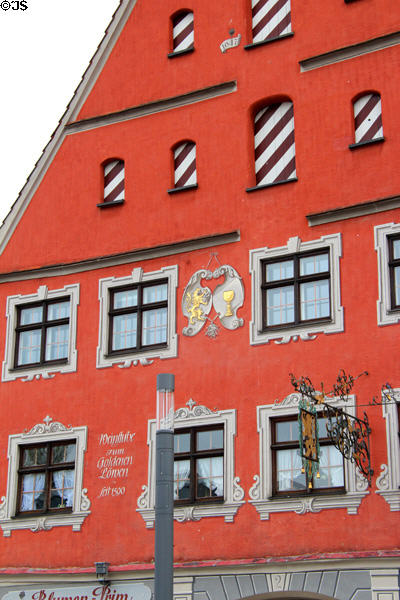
x=219, y=201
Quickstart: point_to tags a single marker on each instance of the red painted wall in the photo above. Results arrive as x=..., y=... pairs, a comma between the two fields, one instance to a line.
x=63, y=224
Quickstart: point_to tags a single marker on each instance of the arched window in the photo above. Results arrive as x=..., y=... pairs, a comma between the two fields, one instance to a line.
x=274, y=144
x=270, y=19
x=114, y=181
x=368, y=118
x=185, y=174
x=182, y=32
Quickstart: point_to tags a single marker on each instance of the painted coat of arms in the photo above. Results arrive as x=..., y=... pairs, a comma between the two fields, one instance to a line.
x=226, y=299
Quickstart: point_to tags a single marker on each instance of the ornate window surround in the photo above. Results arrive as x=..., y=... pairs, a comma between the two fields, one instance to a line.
x=44, y=371
x=386, y=316
x=388, y=482
x=261, y=491
x=307, y=331
x=47, y=431
x=142, y=357
x=194, y=415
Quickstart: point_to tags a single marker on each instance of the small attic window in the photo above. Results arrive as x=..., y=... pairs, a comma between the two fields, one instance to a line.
x=367, y=120
x=182, y=33
x=114, y=183
x=185, y=171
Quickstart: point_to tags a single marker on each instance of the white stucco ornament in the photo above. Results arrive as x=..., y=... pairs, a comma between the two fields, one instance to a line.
x=226, y=299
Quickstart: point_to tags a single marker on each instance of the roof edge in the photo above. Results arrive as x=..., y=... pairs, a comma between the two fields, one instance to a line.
x=79, y=97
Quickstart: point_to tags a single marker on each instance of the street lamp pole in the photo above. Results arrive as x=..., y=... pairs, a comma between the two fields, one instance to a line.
x=164, y=506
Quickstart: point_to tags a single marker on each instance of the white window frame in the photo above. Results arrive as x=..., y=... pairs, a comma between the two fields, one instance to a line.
x=385, y=314
x=48, y=431
x=29, y=373
x=144, y=357
x=308, y=331
x=261, y=492
x=194, y=415
x=388, y=482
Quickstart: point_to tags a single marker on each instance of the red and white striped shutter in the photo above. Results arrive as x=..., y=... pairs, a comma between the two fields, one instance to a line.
x=185, y=164
x=274, y=143
x=270, y=19
x=368, y=118
x=183, y=32
x=114, y=181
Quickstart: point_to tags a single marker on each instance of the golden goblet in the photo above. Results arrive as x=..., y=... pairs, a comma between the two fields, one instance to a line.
x=228, y=296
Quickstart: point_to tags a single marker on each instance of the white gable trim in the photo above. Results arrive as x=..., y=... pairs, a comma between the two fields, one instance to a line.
x=80, y=96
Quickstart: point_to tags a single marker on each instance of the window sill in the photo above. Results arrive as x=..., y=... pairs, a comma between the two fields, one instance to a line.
x=264, y=42
x=366, y=143
x=43, y=522
x=44, y=371
x=305, y=504
x=268, y=185
x=282, y=329
x=193, y=512
x=109, y=204
x=184, y=188
x=180, y=52
x=40, y=367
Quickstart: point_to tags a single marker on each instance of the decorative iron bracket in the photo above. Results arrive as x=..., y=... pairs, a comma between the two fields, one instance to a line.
x=350, y=436
x=347, y=433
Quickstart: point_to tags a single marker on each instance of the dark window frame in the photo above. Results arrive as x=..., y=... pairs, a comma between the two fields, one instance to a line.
x=289, y=445
x=192, y=456
x=296, y=282
x=393, y=264
x=48, y=468
x=139, y=309
x=43, y=325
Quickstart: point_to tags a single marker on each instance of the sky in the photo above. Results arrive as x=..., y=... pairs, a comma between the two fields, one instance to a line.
x=45, y=47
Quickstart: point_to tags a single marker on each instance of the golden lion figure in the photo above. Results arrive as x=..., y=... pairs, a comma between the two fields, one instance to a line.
x=193, y=302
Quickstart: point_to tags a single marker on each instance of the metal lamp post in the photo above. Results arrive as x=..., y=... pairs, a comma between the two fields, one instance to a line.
x=164, y=507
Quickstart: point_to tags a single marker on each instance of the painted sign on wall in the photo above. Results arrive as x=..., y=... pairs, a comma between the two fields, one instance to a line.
x=114, y=463
x=135, y=591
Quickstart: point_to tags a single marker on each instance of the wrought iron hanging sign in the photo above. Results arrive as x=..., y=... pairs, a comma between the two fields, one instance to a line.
x=309, y=439
x=349, y=434
x=226, y=299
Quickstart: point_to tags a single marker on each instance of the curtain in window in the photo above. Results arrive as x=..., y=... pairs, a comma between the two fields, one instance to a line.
x=62, y=491
x=368, y=118
x=274, y=143
x=210, y=477
x=33, y=492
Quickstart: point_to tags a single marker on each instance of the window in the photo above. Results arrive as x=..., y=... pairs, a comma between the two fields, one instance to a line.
x=182, y=33
x=287, y=475
x=367, y=120
x=45, y=476
x=388, y=482
x=274, y=145
x=270, y=19
x=296, y=290
x=199, y=465
x=137, y=318
x=394, y=271
x=280, y=486
x=114, y=183
x=204, y=481
x=41, y=334
x=185, y=174
x=387, y=246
